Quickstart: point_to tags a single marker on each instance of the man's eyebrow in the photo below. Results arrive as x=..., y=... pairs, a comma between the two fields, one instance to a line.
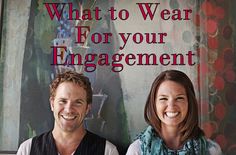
x=79, y=100
x=62, y=98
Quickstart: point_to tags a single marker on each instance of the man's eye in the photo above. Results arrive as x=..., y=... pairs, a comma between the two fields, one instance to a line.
x=78, y=103
x=62, y=102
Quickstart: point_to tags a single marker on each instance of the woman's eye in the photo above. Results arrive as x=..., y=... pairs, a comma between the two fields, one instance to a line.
x=163, y=99
x=180, y=98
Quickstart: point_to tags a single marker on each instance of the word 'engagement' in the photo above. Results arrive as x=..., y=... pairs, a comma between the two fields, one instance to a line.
x=62, y=56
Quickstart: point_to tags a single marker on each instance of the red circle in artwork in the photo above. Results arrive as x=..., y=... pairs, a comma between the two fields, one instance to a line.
x=213, y=43
x=209, y=128
x=219, y=12
x=219, y=83
x=219, y=64
x=207, y=8
x=221, y=140
x=220, y=111
x=211, y=26
x=230, y=75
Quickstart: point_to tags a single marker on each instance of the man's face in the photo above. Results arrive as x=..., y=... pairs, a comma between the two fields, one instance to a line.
x=69, y=107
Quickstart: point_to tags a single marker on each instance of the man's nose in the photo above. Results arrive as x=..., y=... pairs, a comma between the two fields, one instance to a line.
x=68, y=107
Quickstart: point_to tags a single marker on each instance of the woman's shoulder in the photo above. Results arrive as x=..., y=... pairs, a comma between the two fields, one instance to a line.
x=134, y=148
x=213, y=147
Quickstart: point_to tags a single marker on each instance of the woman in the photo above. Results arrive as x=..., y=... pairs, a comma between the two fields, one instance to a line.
x=171, y=111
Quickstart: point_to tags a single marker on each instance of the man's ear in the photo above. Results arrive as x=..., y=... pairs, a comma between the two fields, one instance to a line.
x=51, y=100
x=88, y=108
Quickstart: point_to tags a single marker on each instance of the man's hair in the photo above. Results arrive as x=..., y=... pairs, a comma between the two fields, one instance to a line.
x=74, y=77
x=189, y=127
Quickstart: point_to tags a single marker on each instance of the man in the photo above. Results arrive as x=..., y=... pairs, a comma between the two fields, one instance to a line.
x=70, y=101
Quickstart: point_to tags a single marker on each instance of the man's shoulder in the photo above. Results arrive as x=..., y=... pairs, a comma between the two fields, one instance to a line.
x=110, y=149
x=25, y=147
x=92, y=137
x=43, y=135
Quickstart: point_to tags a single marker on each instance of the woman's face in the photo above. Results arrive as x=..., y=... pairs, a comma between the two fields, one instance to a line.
x=171, y=104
